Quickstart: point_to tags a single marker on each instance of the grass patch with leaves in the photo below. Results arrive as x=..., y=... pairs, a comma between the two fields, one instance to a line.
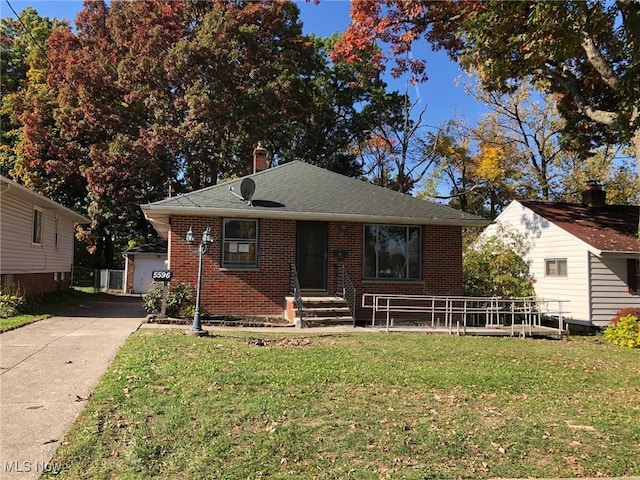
x=47, y=304
x=358, y=406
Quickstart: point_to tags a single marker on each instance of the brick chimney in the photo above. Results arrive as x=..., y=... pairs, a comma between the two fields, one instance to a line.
x=259, y=158
x=594, y=195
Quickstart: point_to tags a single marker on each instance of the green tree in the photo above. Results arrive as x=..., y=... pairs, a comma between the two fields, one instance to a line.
x=610, y=166
x=341, y=108
x=494, y=267
x=585, y=52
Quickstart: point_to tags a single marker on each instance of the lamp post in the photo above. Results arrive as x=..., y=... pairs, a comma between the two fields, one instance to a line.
x=207, y=238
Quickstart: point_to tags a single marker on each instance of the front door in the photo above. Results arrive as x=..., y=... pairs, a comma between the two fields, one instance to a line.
x=312, y=255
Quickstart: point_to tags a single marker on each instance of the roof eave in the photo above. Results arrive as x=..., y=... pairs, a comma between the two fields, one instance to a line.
x=159, y=217
x=8, y=185
x=620, y=252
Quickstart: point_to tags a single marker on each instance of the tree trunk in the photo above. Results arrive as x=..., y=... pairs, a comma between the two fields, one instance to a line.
x=635, y=145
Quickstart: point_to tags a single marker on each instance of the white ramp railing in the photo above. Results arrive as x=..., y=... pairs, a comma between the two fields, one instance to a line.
x=521, y=314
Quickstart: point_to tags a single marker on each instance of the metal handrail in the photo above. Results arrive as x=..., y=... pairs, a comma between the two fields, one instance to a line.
x=529, y=310
x=296, y=292
x=349, y=293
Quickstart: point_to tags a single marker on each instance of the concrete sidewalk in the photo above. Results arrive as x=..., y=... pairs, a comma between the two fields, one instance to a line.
x=48, y=369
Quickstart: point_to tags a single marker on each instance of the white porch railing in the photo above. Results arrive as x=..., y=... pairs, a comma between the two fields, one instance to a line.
x=521, y=314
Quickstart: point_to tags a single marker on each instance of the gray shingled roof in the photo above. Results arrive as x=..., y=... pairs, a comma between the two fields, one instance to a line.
x=298, y=190
x=152, y=248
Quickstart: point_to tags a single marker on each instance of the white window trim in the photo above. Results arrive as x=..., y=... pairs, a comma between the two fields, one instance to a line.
x=556, y=262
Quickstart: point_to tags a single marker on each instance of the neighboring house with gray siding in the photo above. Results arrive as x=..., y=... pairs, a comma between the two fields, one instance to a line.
x=587, y=254
x=36, y=240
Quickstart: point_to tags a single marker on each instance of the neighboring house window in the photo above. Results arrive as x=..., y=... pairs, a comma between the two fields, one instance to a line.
x=240, y=243
x=56, y=232
x=555, y=267
x=633, y=275
x=392, y=252
x=38, y=223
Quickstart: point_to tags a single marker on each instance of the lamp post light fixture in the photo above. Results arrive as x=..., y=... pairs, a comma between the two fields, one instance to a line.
x=207, y=238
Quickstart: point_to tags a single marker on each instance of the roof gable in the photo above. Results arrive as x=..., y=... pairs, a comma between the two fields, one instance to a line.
x=612, y=228
x=300, y=190
x=10, y=188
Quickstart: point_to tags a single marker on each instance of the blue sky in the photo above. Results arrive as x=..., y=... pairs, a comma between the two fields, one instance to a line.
x=443, y=93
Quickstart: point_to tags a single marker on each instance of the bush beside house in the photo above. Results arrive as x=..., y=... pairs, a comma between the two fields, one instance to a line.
x=624, y=329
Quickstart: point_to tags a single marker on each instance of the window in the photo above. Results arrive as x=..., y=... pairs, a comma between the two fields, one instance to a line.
x=555, y=267
x=56, y=233
x=38, y=220
x=392, y=251
x=633, y=275
x=240, y=243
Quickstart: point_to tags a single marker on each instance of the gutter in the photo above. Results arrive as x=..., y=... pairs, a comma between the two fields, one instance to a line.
x=157, y=214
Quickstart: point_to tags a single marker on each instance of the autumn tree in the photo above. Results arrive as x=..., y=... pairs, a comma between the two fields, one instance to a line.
x=476, y=175
x=529, y=126
x=24, y=69
x=612, y=167
x=585, y=52
x=147, y=94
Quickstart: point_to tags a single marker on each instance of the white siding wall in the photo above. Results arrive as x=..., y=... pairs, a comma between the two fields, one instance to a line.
x=609, y=292
x=18, y=254
x=544, y=240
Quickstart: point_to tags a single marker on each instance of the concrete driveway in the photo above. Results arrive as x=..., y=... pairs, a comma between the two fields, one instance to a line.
x=48, y=369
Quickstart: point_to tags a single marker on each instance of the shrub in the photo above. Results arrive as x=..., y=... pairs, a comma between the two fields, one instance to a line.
x=179, y=298
x=624, y=312
x=12, y=301
x=496, y=268
x=625, y=332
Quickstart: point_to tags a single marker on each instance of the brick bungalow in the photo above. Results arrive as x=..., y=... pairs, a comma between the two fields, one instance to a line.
x=321, y=222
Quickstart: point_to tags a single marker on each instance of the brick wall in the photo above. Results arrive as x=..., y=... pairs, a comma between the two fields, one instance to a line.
x=262, y=291
x=130, y=269
x=37, y=283
x=252, y=292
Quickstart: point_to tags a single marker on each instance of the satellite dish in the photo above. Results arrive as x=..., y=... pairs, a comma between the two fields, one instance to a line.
x=247, y=187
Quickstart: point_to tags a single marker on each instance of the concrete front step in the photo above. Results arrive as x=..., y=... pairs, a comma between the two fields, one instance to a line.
x=326, y=321
x=319, y=311
x=325, y=311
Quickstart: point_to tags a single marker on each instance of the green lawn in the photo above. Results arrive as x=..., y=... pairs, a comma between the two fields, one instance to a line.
x=48, y=304
x=365, y=406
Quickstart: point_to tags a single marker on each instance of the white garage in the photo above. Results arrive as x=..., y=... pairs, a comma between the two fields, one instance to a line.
x=141, y=262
